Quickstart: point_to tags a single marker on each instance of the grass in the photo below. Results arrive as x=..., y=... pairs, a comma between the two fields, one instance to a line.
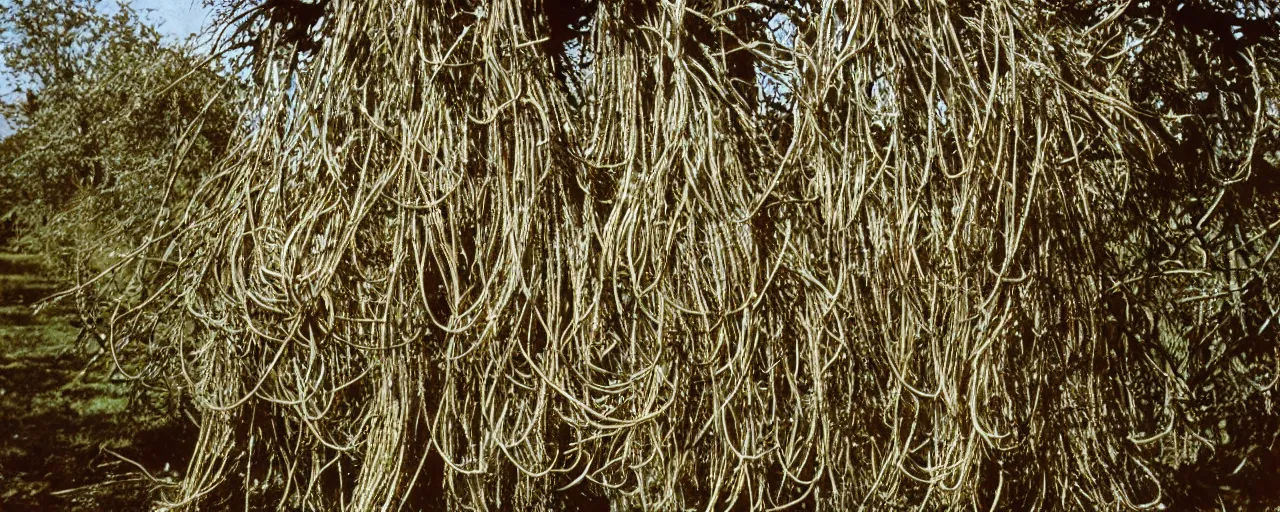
x=62, y=409
x=20, y=265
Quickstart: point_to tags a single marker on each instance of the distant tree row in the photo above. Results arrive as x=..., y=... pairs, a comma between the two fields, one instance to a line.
x=113, y=126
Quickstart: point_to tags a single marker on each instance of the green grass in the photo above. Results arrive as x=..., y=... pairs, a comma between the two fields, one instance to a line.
x=59, y=407
x=20, y=264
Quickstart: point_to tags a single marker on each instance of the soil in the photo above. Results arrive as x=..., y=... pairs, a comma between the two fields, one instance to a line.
x=74, y=434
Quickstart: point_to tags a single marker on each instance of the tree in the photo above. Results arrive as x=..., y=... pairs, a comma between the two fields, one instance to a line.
x=720, y=254
x=103, y=106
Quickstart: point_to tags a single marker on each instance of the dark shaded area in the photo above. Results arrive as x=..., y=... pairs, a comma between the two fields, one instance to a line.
x=63, y=413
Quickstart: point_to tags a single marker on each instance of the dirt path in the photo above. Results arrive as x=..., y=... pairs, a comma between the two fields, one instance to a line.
x=66, y=421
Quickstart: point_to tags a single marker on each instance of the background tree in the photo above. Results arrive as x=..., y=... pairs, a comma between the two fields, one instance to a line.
x=720, y=254
x=105, y=112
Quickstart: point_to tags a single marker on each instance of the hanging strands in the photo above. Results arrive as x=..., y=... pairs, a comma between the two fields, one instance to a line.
x=708, y=254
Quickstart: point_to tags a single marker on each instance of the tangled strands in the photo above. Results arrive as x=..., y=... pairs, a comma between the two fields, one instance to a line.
x=443, y=261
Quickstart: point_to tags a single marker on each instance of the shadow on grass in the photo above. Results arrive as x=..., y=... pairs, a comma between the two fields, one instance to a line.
x=62, y=420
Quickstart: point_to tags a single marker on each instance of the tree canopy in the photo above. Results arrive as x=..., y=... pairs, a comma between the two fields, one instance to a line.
x=103, y=112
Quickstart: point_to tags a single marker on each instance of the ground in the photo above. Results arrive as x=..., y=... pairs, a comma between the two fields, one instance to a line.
x=74, y=435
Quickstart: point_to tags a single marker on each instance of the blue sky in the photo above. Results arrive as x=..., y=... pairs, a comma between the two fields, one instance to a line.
x=176, y=19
